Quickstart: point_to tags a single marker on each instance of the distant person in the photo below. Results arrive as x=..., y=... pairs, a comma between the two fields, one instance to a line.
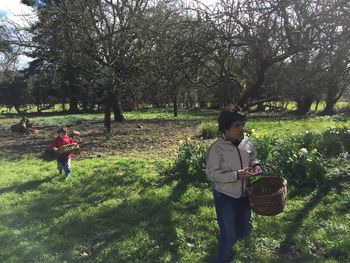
x=63, y=159
x=231, y=160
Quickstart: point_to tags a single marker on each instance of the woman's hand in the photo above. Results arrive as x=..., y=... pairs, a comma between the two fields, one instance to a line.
x=245, y=173
x=256, y=170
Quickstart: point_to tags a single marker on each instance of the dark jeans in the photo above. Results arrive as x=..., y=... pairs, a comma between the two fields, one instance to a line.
x=235, y=222
x=63, y=163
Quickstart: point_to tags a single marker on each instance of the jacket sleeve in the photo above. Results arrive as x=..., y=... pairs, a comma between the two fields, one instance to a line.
x=53, y=144
x=71, y=140
x=253, y=157
x=214, y=173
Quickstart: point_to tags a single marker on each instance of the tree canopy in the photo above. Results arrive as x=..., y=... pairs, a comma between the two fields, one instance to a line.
x=115, y=54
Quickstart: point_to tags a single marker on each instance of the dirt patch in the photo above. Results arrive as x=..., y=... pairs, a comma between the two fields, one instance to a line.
x=146, y=138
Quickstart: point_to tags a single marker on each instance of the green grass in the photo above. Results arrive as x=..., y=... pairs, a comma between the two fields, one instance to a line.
x=321, y=106
x=287, y=127
x=129, y=210
x=268, y=126
x=71, y=119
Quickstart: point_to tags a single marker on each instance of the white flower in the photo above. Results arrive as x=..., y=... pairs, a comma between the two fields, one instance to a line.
x=303, y=151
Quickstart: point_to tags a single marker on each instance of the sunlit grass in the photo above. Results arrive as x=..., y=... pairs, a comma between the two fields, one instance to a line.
x=129, y=210
x=269, y=126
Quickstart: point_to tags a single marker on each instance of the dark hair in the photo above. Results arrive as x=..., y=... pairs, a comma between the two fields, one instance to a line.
x=229, y=115
x=62, y=129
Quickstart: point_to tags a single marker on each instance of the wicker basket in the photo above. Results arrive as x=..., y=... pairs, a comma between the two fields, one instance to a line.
x=67, y=148
x=267, y=195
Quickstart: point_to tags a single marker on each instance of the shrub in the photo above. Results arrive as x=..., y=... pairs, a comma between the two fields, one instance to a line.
x=300, y=165
x=263, y=145
x=208, y=130
x=334, y=141
x=191, y=159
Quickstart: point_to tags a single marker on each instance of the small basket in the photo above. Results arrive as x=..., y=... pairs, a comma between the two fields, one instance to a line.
x=267, y=195
x=67, y=148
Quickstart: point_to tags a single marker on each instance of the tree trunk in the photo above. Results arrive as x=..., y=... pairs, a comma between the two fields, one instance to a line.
x=17, y=108
x=329, y=109
x=73, y=96
x=73, y=105
x=253, y=90
x=260, y=107
x=175, y=106
x=107, y=112
x=117, y=109
x=316, y=106
x=331, y=99
x=304, y=105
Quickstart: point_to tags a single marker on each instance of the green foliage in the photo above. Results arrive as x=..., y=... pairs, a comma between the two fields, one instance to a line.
x=190, y=161
x=299, y=165
x=334, y=141
x=301, y=158
x=263, y=145
x=208, y=130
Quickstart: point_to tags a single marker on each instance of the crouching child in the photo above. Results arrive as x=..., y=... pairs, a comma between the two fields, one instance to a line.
x=63, y=159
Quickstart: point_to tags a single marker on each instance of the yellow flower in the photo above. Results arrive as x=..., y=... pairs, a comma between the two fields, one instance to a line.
x=181, y=142
x=314, y=151
x=308, y=160
x=253, y=130
x=188, y=138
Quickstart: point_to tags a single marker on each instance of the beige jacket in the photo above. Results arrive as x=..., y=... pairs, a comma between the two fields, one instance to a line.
x=224, y=160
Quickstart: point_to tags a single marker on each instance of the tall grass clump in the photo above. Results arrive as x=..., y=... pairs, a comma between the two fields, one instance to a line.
x=208, y=130
x=190, y=162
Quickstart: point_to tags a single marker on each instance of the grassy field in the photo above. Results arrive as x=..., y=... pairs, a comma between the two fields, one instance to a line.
x=132, y=209
x=264, y=124
x=128, y=210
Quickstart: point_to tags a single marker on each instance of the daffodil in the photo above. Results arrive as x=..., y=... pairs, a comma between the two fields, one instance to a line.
x=303, y=151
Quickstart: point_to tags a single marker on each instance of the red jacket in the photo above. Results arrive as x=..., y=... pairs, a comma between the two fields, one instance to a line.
x=58, y=142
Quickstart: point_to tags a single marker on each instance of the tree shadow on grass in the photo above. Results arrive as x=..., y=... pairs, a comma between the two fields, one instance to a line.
x=145, y=223
x=110, y=218
x=112, y=214
x=27, y=186
x=288, y=249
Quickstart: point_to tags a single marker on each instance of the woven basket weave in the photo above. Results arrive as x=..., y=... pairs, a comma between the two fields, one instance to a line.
x=67, y=148
x=267, y=195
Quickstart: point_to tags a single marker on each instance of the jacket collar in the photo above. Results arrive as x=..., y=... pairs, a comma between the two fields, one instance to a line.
x=240, y=145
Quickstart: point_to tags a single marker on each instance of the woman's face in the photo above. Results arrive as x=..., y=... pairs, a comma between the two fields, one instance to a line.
x=236, y=131
x=63, y=134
